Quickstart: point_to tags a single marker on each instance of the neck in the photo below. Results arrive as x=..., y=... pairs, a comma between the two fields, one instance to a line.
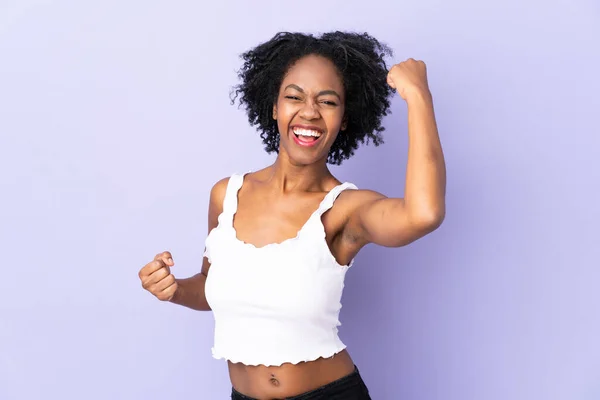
x=288, y=176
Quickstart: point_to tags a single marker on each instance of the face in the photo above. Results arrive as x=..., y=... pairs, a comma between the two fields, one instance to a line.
x=309, y=110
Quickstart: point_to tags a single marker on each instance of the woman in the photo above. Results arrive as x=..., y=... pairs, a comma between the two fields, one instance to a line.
x=282, y=238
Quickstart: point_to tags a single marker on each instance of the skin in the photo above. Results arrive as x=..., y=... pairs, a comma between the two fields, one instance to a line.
x=290, y=190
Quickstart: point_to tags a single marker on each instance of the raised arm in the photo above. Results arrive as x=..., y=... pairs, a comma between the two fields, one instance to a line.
x=395, y=222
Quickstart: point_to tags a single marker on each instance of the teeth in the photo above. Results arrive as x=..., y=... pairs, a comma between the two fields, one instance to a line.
x=306, y=132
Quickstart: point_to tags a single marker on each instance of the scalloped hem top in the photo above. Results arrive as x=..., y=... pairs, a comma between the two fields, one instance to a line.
x=278, y=303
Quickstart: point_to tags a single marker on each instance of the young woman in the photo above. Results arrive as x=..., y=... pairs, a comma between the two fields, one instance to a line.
x=282, y=238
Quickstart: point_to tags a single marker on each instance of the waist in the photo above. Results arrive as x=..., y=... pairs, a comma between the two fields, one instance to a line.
x=272, y=343
x=288, y=379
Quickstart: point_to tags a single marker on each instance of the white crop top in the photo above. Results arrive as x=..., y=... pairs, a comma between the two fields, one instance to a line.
x=278, y=303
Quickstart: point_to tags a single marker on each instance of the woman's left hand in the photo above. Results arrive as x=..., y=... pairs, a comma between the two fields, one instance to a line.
x=409, y=77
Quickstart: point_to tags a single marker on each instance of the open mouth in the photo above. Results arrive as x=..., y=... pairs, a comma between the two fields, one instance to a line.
x=306, y=137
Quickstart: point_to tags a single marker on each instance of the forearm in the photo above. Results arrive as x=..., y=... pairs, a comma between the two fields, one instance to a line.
x=190, y=293
x=426, y=171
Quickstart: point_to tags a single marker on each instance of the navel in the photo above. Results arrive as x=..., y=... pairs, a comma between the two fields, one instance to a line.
x=274, y=381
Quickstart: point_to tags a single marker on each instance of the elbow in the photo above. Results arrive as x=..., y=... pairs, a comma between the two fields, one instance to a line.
x=430, y=219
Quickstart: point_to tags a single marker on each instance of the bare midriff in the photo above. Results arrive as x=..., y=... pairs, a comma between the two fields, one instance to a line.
x=262, y=382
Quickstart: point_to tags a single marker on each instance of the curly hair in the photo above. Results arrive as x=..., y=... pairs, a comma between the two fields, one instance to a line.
x=359, y=59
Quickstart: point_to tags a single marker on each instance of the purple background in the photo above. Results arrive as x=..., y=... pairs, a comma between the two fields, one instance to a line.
x=115, y=121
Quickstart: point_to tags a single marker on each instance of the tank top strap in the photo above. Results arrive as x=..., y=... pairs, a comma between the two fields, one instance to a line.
x=330, y=198
x=230, y=202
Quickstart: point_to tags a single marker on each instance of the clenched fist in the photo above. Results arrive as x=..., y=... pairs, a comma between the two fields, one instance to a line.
x=408, y=76
x=156, y=277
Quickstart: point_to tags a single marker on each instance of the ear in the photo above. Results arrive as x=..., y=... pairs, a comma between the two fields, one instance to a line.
x=344, y=124
x=275, y=111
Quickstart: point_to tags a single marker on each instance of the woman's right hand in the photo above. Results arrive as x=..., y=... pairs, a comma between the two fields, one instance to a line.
x=156, y=277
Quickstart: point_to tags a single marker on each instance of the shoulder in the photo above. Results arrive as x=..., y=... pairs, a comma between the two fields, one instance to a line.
x=348, y=205
x=352, y=200
x=217, y=192
x=217, y=195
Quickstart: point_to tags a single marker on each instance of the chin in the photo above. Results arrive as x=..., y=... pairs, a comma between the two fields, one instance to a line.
x=302, y=157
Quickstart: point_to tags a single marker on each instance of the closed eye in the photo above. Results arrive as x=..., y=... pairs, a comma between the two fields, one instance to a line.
x=326, y=102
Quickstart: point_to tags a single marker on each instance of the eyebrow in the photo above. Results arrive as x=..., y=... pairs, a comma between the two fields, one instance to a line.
x=321, y=93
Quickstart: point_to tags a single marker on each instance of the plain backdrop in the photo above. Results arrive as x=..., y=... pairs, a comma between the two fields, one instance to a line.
x=115, y=121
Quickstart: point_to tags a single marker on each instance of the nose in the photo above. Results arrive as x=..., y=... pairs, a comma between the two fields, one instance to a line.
x=309, y=110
